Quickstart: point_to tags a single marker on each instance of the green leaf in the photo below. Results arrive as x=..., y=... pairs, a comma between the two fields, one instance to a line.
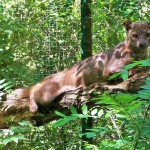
x=63, y=121
x=125, y=98
x=88, y=134
x=20, y=129
x=15, y=138
x=100, y=113
x=25, y=123
x=134, y=106
x=2, y=81
x=106, y=99
x=60, y=114
x=144, y=94
x=107, y=114
x=115, y=75
x=95, y=98
x=15, y=129
x=6, y=85
x=69, y=118
x=1, y=145
x=146, y=132
x=94, y=130
x=8, y=31
x=73, y=109
x=84, y=109
x=129, y=66
x=94, y=111
x=147, y=81
x=147, y=87
x=121, y=115
x=124, y=74
x=6, y=141
x=79, y=115
x=145, y=62
x=60, y=122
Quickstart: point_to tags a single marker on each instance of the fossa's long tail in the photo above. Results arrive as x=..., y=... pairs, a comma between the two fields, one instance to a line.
x=19, y=93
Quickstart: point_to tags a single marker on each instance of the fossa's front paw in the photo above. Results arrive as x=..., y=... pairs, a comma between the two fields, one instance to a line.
x=33, y=109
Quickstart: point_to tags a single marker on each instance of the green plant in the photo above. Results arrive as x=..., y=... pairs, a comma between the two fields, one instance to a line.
x=4, y=86
x=28, y=30
x=124, y=73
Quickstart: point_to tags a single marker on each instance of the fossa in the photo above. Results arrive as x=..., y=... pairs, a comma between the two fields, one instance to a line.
x=91, y=70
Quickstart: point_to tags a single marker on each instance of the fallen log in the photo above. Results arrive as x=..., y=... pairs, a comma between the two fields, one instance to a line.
x=13, y=111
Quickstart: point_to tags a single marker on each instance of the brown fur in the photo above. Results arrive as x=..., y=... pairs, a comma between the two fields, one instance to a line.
x=90, y=70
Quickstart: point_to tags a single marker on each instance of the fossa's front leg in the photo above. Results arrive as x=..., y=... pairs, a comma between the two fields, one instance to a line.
x=33, y=106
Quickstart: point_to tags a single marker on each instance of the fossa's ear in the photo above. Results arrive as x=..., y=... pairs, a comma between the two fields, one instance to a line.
x=128, y=25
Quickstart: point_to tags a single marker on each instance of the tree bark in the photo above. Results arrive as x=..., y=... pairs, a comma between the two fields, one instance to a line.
x=13, y=111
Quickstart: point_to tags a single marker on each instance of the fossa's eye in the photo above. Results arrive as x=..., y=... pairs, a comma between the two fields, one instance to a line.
x=148, y=35
x=135, y=35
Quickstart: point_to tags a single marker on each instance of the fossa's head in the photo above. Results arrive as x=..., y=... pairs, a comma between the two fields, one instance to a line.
x=138, y=35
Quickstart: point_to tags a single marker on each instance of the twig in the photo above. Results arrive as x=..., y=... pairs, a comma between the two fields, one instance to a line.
x=115, y=125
